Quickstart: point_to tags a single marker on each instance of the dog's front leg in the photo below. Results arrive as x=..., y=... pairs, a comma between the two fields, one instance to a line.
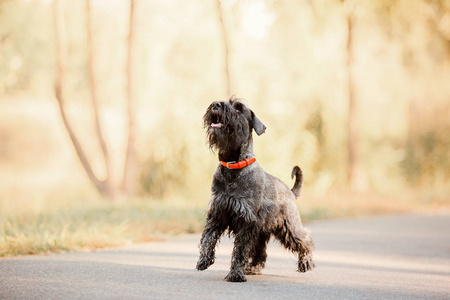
x=210, y=236
x=239, y=258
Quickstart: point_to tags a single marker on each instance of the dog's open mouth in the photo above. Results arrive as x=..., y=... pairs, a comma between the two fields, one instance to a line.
x=215, y=121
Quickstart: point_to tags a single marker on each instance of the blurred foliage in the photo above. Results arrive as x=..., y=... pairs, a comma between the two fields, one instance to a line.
x=287, y=59
x=427, y=158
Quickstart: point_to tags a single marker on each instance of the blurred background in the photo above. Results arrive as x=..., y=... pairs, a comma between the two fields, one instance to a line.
x=103, y=99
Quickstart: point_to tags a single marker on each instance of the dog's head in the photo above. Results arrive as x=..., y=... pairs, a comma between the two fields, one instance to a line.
x=229, y=125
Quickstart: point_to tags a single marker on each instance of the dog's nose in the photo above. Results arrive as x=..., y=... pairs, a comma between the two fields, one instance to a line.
x=216, y=106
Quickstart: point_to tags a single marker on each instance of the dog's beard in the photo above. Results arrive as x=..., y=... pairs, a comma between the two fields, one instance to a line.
x=226, y=133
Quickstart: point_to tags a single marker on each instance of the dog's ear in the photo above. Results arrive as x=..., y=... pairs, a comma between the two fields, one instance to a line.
x=259, y=127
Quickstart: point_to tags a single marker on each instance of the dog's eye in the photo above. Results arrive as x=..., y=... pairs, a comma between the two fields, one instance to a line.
x=238, y=107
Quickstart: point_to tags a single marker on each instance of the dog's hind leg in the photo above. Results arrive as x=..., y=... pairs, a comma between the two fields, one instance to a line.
x=299, y=241
x=258, y=255
x=306, y=245
x=296, y=238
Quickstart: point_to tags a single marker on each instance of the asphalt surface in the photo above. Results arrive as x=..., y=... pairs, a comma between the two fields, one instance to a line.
x=388, y=257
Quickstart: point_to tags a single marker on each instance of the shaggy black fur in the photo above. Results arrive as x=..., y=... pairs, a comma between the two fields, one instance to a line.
x=250, y=203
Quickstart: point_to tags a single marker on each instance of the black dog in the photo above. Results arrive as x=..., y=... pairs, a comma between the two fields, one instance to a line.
x=251, y=204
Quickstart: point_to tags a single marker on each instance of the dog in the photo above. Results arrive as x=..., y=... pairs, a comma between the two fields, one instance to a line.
x=249, y=203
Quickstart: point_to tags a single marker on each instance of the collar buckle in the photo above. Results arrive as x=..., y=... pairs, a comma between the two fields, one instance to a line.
x=230, y=162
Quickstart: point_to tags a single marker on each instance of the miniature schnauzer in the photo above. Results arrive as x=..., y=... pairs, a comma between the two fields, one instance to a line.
x=245, y=200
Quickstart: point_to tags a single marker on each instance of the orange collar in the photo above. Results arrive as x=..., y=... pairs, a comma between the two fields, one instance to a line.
x=240, y=164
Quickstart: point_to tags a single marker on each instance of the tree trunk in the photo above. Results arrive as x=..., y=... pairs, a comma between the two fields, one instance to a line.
x=356, y=174
x=226, y=48
x=130, y=170
x=94, y=94
x=61, y=45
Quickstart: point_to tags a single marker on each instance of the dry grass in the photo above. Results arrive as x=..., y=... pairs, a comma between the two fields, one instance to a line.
x=342, y=204
x=95, y=224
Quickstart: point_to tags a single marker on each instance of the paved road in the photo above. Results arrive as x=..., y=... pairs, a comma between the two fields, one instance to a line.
x=389, y=257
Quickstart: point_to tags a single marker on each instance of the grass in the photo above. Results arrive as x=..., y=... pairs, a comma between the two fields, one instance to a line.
x=96, y=226
x=344, y=204
x=65, y=226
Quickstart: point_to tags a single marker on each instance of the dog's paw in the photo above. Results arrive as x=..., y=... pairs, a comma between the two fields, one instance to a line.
x=252, y=270
x=203, y=264
x=235, y=277
x=306, y=264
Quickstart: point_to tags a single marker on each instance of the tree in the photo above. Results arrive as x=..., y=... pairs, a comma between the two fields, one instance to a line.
x=226, y=45
x=106, y=187
x=356, y=175
x=94, y=99
x=129, y=173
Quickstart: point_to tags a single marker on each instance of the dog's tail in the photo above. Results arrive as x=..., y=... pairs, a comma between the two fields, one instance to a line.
x=297, y=172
